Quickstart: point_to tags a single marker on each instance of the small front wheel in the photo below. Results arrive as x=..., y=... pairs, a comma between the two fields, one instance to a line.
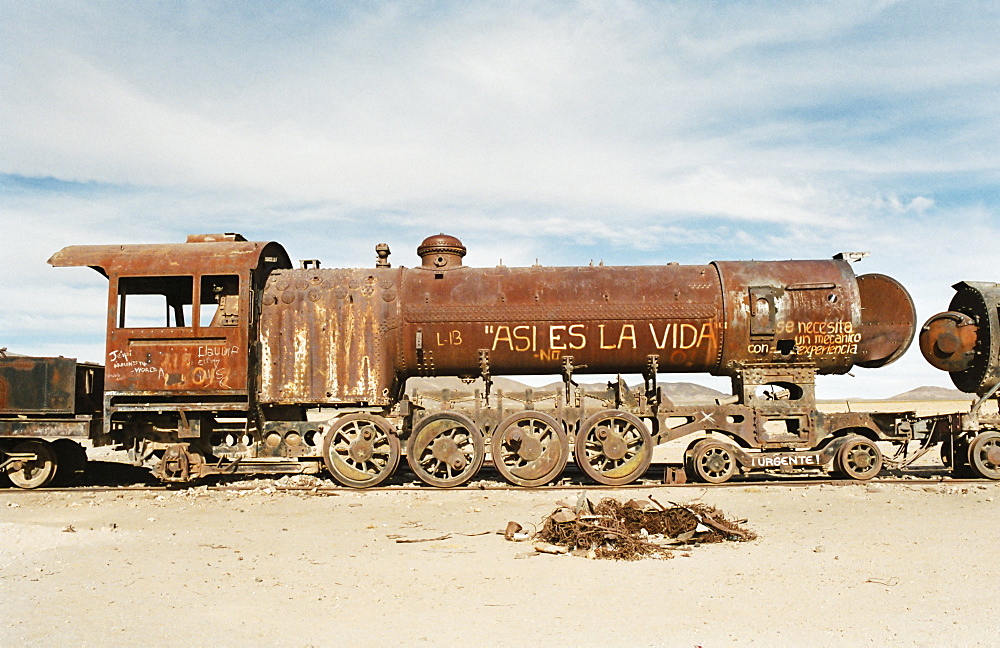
x=858, y=458
x=984, y=455
x=713, y=461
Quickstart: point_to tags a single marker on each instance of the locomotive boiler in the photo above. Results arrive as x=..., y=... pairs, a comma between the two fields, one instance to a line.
x=965, y=342
x=221, y=357
x=336, y=338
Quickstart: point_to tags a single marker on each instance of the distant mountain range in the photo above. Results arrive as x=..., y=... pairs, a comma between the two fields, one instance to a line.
x=931, y=394
x=679, y=392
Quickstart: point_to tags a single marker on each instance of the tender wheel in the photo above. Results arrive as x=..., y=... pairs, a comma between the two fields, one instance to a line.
x=446, y=449
x=32, y=473
x=984, y=455
x=361, y=450
x=530, y=448
x=613, y=448
x=713, y=461
x=858, y=458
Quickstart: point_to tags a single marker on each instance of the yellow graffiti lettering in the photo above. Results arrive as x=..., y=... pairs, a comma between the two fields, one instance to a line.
x=545, y=356
x=687, y=342
x=603, y=345
x=503, y=335
x=554, y=340
x=622, y=337
x=659, y=342
x=707, y=333
x=522, y=338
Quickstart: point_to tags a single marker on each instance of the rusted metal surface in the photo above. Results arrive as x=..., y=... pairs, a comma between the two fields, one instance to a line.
x=948, y=341
x=352, y=336
x=207, y=290
x=984, y=454
x=330, y=336
x=716, y=461
x=37, y=385
x=47, y=428
x=218, y=252
x=965, y=341
x=528, y=319
x=887, y=323
x=790, y=312
x=613, y=447
x=715, y=319
x=361, y=450
x=49, y=386
x=441, y=252
x=446, y=449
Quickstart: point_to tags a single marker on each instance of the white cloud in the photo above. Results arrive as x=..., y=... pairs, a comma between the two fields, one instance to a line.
x=579, y=106
x=624, y=131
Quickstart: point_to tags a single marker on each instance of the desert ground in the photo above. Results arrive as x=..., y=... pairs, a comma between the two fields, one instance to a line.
x=249, y=563
x=859, y=565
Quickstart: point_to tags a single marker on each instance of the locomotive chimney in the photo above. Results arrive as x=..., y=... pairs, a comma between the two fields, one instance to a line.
x=441, y=252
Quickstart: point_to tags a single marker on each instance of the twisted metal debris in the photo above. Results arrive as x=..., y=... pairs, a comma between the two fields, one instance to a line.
x=634, y=529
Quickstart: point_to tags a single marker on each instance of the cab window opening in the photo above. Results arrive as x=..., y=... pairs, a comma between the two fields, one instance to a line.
x=219, y=301
x=155, y=302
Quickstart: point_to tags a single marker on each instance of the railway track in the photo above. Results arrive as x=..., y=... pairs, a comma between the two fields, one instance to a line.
x=914, y=478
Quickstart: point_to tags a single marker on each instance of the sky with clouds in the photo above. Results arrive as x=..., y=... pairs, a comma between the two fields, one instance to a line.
x=624, y=131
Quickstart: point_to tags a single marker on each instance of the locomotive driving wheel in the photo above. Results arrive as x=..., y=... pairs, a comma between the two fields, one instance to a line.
x=446, y=449
x=858, y=458
x=530, y=448
x=361, y=450
x=613, y=447
x=712, y=461
x=984, y=455
x=32, y=473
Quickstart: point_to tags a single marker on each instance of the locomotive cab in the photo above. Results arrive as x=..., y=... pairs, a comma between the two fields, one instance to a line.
x=182, y=320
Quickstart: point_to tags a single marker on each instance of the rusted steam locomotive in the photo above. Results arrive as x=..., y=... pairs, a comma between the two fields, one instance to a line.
x=222, y=358
x=965, y=341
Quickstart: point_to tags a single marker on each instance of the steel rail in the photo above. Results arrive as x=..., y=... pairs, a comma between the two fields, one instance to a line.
x=492, y=486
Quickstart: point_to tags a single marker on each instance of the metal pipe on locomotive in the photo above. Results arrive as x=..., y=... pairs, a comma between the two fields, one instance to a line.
x=222, y=358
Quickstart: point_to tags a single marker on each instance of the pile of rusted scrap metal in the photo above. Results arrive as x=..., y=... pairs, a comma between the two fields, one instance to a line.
x=629, y=530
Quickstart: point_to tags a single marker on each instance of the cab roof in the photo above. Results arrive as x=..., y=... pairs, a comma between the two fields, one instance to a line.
x=201, y=254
